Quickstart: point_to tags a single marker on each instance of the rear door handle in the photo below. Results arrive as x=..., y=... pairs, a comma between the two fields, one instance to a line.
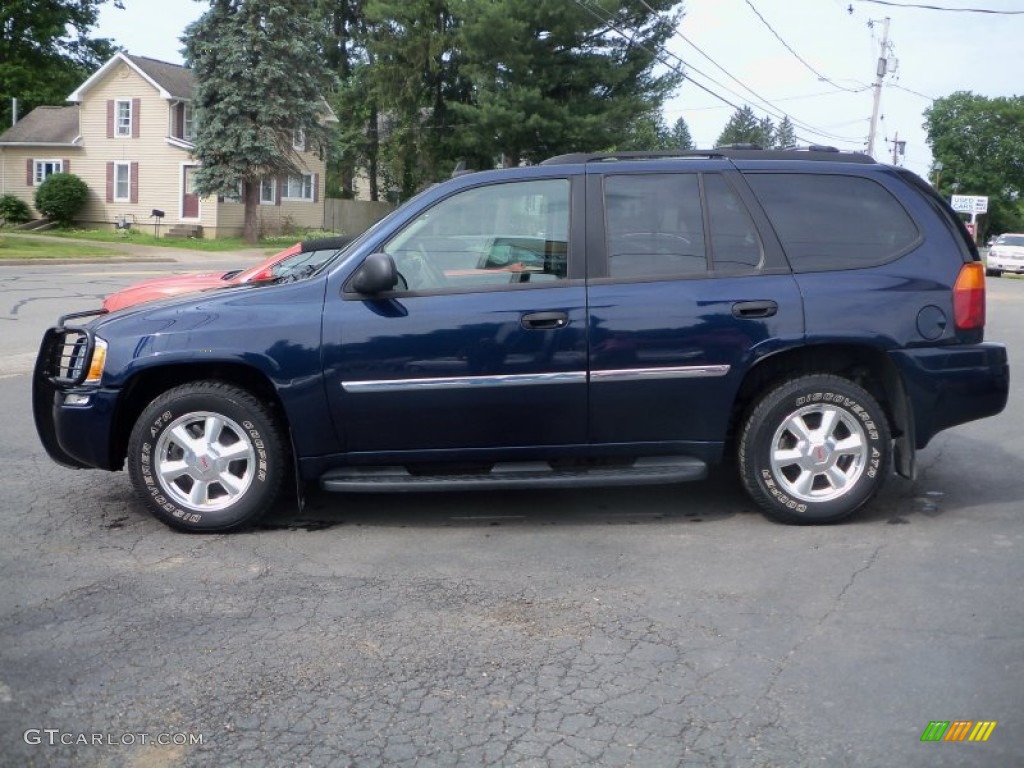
x=545, y=321
x=754, y=309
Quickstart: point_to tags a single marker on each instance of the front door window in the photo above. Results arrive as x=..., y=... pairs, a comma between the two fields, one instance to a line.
x=500, y=235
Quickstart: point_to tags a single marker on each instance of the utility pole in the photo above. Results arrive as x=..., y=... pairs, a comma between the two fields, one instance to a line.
x=899, y=149
x=880, y=70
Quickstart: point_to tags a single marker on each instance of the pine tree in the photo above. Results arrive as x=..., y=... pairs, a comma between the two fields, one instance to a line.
x=785, y=136
x=550, y=77
x=765, y=133
x=679, y=136
x=488, y=81
x=259, y=78
x=414, y=77
x=345, y=55
x=742, y=128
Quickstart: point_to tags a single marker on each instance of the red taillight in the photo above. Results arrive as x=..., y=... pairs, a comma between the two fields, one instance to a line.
x=969, y=297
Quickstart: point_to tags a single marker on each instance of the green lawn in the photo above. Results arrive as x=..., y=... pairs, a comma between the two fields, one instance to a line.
x=195, y=244
x=27, y=248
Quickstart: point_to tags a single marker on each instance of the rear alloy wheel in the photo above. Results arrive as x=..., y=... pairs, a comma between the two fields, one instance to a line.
x=814, y=449
x=206, y=456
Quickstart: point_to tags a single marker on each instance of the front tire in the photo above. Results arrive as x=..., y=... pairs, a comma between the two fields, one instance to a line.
x=814, y=450
x=207, y=456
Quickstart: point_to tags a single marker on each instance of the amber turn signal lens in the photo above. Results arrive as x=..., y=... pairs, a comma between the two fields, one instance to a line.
x=99, y=359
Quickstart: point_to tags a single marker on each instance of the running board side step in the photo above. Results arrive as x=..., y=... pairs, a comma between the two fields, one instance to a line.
x=511, y=475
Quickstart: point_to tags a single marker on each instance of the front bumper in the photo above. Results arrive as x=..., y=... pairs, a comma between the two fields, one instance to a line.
x=1004, y=264
x=74, y=422
x=947, y=386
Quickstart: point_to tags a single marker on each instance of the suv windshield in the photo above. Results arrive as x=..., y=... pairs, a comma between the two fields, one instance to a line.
x=1011, y=240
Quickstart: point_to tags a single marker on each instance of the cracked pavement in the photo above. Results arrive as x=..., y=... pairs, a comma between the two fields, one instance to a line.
x=618, y=627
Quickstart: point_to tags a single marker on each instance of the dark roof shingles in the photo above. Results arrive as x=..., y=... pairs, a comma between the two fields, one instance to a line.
x=173, y=78
x=44, y=125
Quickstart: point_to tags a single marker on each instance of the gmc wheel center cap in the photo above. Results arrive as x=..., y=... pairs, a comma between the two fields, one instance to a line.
x=820, y=453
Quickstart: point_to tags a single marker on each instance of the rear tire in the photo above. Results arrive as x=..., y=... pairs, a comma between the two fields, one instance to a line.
x=814, y=450
x=207, y=456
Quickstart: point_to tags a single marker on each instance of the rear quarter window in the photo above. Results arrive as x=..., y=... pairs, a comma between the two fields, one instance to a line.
x=834, y=222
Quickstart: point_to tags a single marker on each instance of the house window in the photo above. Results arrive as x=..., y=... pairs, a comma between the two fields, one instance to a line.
x=299, y=140
x=44, y=168
x=299, y=187
x=122, y=182
x=188, y=123
x=123, y=117
x=268, y=190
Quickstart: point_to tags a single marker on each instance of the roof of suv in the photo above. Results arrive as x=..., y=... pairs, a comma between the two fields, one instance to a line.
x=732, y=152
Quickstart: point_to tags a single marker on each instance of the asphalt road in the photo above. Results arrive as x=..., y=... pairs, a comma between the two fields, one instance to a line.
x=646, y=627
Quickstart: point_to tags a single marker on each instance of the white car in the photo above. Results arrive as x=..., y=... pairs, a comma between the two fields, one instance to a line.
x=1006, y=255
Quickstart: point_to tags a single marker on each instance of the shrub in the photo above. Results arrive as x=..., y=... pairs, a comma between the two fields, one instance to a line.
x=14, y=210
x=61, y=197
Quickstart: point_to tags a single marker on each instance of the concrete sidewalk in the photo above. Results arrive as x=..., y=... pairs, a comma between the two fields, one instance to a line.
x=133, y=252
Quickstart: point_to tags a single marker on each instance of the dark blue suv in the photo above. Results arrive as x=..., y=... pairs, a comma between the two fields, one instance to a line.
x=593, y=320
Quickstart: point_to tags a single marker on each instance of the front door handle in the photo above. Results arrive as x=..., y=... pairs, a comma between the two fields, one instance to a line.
x=753, y=309
x=545, y=321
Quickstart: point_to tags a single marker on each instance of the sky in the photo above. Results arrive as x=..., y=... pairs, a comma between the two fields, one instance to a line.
x=814, y=60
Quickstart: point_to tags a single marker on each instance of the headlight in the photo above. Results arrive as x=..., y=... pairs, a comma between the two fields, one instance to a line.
x=99, y=359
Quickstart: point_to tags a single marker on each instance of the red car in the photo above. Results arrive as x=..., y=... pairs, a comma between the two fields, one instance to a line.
x=307, y=255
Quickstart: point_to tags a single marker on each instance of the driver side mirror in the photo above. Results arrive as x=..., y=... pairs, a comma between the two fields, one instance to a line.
x=376, y=274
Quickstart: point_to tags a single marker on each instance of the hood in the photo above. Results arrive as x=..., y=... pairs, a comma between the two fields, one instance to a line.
x=161, y=288
x=193, y=298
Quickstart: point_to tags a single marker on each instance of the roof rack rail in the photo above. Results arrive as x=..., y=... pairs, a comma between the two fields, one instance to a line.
x=729, y=152
x=607, y=157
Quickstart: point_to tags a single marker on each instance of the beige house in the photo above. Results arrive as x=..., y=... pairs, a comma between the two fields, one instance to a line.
x=129, y=136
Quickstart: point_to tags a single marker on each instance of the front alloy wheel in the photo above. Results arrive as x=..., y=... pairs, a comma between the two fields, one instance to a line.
x=205, y=461
x=207, y=456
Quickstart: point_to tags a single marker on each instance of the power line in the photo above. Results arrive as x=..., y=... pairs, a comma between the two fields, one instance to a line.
x=771, y=105
x=908, y=90
x=657, y=55
x=662, y=53
x=923, y=6
x=819, y=94
x=790, y=49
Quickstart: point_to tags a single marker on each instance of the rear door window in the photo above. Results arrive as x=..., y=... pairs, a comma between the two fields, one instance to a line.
x=834, y=222
x=655, y=227
x=735, y=244
x=660, y=225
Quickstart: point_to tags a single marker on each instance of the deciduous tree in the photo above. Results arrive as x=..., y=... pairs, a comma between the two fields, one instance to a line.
x=46, y=51
x=980, y=142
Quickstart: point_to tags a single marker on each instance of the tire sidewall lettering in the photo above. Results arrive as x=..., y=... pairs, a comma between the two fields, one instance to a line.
x=812, y=392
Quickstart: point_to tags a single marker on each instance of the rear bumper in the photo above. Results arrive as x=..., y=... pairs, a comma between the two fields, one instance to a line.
x=947, y=386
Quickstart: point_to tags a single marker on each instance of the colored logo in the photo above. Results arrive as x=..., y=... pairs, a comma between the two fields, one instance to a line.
x=959, y=730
